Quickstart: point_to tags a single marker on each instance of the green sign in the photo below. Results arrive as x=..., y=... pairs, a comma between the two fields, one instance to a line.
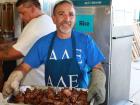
x=84, y=23
x=91, y=2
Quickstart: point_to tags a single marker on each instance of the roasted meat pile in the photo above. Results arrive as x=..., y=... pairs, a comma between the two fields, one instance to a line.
x=50, y=96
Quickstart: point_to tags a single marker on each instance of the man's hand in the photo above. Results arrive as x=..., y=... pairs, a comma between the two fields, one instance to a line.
x=13, y=82
x=97, y=86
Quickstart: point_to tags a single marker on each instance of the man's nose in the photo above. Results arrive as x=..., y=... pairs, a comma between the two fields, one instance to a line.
x=66, y=17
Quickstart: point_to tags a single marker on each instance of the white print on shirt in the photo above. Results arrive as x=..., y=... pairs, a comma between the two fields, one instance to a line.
x=61, y=81
x=66, y=55
x=53, y=56
x=79, y=56
x=72, y=80
x=50, y=81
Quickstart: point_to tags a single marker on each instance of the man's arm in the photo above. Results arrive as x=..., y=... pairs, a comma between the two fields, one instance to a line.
x=24, y=68
x=12, y=84
x=5, y=44
x=9, y=53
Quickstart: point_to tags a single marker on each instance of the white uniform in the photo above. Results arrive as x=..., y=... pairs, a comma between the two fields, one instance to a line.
x=34, y=30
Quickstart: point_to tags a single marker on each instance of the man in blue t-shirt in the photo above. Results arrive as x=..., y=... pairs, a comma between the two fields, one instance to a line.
x=67, y=56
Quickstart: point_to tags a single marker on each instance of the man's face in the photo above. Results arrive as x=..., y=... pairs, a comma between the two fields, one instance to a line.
x=25, y=13
x=64, y=18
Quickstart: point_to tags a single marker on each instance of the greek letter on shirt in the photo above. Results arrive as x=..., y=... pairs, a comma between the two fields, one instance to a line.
x=65, y=54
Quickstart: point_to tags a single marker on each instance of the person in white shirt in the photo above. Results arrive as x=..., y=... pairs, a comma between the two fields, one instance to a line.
x=37, y=25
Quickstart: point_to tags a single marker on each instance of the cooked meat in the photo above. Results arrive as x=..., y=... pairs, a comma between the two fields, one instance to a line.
x=49, y=96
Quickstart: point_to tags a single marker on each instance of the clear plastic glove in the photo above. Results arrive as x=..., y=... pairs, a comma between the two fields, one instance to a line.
x=97, y=87
x=12, y=84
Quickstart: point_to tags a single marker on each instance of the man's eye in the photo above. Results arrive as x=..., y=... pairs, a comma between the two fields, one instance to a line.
x=71, y=14
x=60, y=14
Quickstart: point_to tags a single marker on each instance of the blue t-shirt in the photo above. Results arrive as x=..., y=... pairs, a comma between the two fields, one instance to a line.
x=87, y=52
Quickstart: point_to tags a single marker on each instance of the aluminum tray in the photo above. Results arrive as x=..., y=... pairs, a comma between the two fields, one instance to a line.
x=23, y=89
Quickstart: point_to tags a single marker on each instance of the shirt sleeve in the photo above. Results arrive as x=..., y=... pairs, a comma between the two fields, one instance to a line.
x=33, y=58
x=25, y=41
x=94, y=54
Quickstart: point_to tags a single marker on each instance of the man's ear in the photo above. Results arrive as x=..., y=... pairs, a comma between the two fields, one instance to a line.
x=53, y=18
